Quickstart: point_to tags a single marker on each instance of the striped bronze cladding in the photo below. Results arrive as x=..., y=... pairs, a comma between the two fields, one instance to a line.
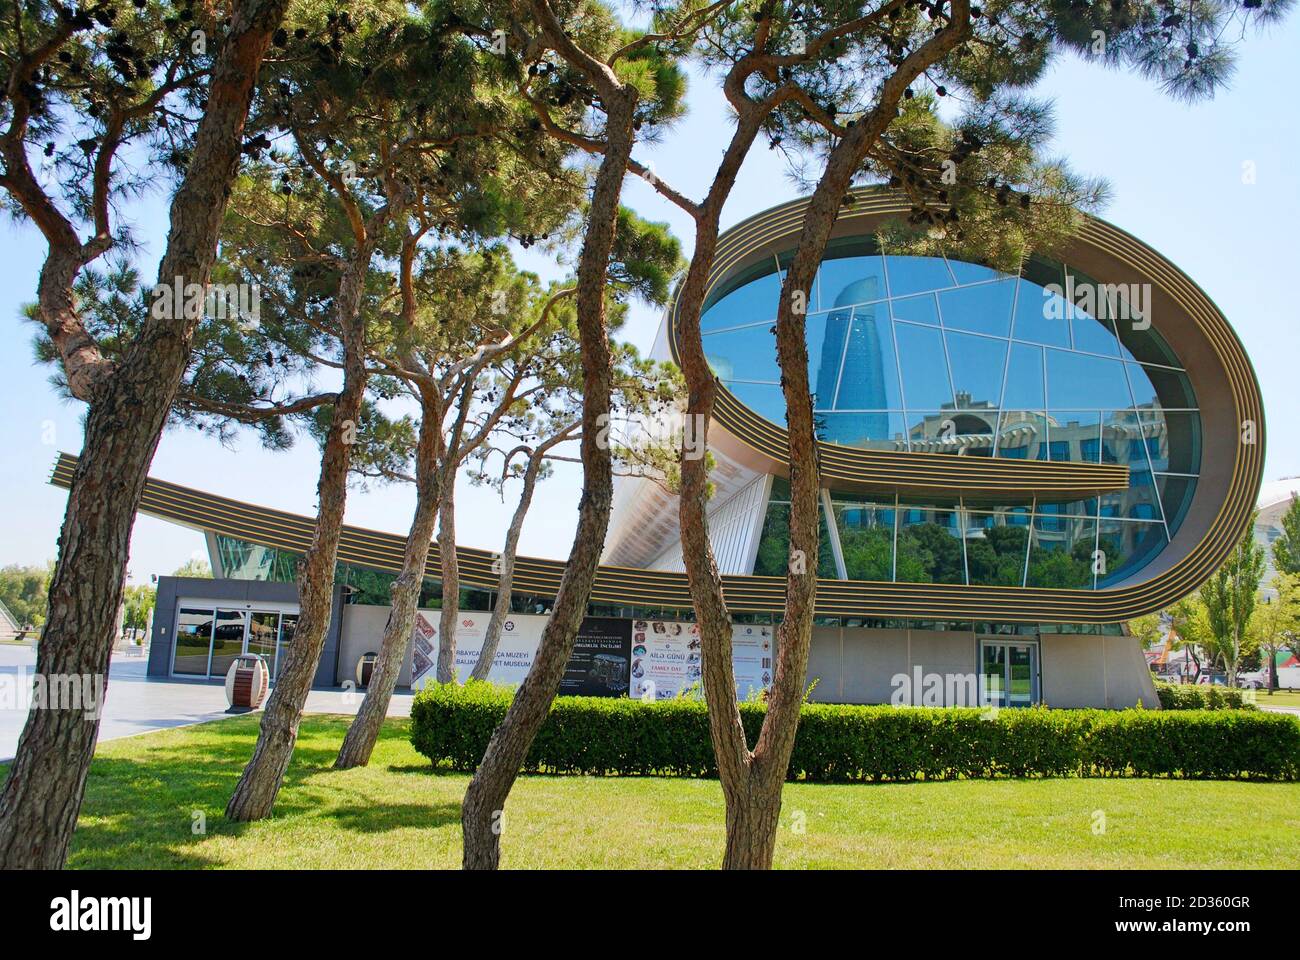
x=623, y=585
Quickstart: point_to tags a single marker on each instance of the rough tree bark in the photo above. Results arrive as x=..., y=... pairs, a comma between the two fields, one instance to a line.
x=752, y=780
x=255, y=793
x=364, y=730
x=128, y=407
x=483, y=810
x=505, y=584
x=449, y=565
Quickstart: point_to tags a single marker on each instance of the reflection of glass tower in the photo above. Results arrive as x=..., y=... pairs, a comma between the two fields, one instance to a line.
x=852, y=344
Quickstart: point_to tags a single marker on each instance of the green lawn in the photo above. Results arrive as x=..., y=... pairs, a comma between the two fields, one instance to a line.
x=144, y=792
x=1279, y=698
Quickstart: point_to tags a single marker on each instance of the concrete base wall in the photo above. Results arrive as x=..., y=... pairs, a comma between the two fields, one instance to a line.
x=1082, y=671
x=854, y=665
x=363, y=632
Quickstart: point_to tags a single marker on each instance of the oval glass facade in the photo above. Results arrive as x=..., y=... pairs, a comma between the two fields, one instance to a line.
x=926, y=354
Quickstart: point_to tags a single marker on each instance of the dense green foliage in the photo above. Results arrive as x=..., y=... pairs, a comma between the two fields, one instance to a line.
x=23, y=592
x=839, y=743
x=1186, y=696
x=1286, y=548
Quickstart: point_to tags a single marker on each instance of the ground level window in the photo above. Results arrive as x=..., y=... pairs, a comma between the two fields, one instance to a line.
x=208, y=640
x=1009, y=673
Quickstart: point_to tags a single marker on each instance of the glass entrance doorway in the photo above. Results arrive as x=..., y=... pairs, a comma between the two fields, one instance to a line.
x=1008, y=673
x=209, y=639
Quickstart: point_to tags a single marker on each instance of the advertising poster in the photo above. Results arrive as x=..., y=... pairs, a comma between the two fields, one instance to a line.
x=599, y=664
x=520, y=636
x=665, y=658
x=752, y=657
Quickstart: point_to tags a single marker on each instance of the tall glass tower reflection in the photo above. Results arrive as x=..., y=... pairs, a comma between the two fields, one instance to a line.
x=852, y=345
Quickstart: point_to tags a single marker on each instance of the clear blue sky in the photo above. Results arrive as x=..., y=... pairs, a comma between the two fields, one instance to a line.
x=1176, y=173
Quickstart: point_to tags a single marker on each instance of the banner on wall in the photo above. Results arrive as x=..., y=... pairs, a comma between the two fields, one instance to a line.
x=666, y=658
x=520, y=636
x=612, y=657
x=751, y=657
x=598, y=666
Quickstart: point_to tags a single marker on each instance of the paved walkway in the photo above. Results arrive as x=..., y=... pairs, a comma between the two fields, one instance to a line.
x=139, y=704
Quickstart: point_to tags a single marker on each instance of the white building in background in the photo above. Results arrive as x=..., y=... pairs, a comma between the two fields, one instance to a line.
x=1275, y=499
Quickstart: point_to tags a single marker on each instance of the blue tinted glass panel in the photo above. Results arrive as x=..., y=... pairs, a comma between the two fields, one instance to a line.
x=924, y=369
x=765, y=399
x=972, y=272
x=930, y=546
x=916, y=275
x=1093, y=335
x=977, y=364
x=996, y=545
x=1160, y=387
x=1051, y=509
x=825, y=335
x=1040, y=318
x=1121, y=433
x=1076, y=381
x=966, y=432
x=754, y=302
x=1174, y=440
x=1024, y=390
x=1126, y=548
x=866, y=532
x=870, y=377
x=920, y=309
x=981, y=309
x=1175, y=497
x=1022, y=435
x=874, y=430
x=849, y=280
x=1060, y=553
x=1074, y=434
x=745, y=354
x=1138, y=502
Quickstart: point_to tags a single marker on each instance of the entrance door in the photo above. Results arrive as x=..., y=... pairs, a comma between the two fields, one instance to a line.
x=228, y=630
x=263, y=637
x=1008, y=673
x=207, y=641
x=1022, y=675
x=193, y=642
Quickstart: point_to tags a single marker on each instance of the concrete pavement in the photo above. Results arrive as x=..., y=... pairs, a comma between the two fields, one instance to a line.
x=138, y=704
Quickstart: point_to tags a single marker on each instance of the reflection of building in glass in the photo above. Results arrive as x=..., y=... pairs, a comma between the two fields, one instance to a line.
x=926, y=355
x=851, y=375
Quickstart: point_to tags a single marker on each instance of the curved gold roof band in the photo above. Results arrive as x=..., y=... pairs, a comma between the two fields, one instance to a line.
x=900, y=470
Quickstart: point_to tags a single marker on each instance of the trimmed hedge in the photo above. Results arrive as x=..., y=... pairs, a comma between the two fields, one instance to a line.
x=1192, y=696
x=838, y=744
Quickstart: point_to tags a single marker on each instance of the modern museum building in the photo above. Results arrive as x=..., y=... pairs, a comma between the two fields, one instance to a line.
x=1012, y=467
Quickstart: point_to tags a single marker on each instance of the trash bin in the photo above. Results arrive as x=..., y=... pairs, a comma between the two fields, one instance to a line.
x=365, y=668
x=246, y=681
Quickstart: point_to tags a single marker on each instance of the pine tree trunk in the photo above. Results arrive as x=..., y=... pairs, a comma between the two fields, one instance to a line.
x=753, y=818
x=752, y=780
x=43, y=792
x=363, y=732
x=483, y=811
x=450, y=567
x=505, y=585
x=260, y=782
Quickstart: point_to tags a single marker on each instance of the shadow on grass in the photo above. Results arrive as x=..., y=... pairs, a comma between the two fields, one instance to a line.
x=160, y=806
x=379, y=818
